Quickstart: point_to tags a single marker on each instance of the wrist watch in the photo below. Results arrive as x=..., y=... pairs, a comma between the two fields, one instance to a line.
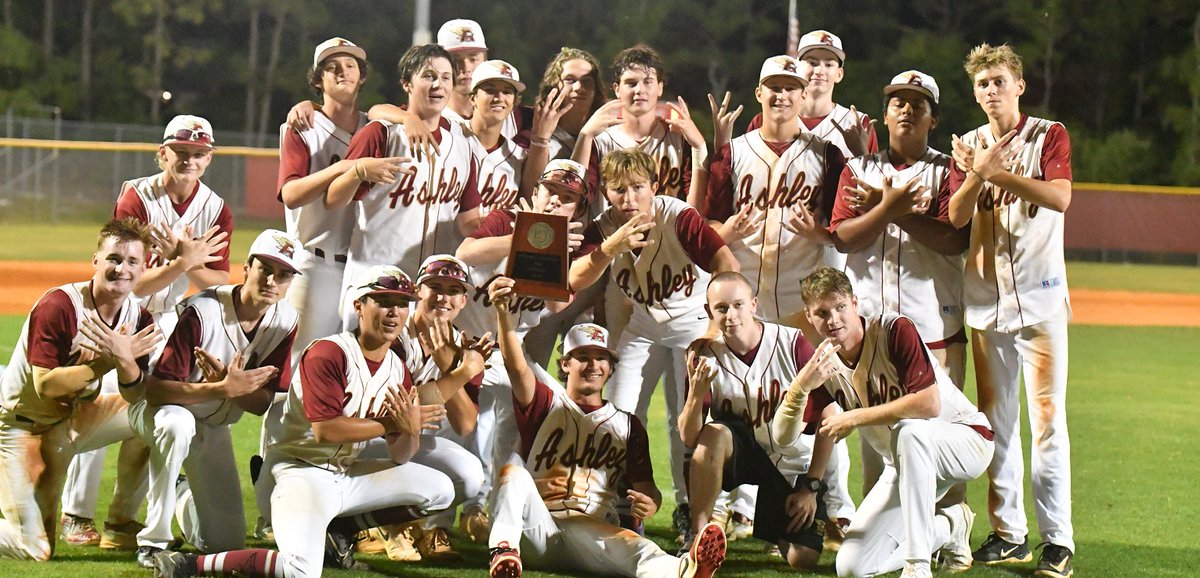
x=812, y=484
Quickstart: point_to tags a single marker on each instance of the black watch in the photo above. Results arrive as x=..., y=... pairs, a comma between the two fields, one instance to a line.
x=812, y=484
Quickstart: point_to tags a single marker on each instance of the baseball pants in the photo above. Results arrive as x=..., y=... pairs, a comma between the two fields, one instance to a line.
x=33, y=467
x=896, y=522
x=306, y=498
x=313, y=295
x=569, y=540
x=464, y=470
x=1040, y=352
x=210, y=506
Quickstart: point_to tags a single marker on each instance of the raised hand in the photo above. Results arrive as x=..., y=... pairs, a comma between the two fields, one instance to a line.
x=408, y=415
x=482, y=345
x=420, y=139
x=197, y=252
x=723, y=120
x=629, y=237
x=574, y=236
x=300, y=117
x=700, y=376
x=858, y=134
x=990, y=161
x=862, y=198
x=240, y=381
x=681, y=123
x=437, y=339
x=804, y=223
x=115, y=346
x=963, y=154
x=604, y=117
x=500, y=293
x=549, y=111
x=909, y=198
x=819, y=368
x=212, y=368
x=741, y=224
x=385, y=170
x=163, y=241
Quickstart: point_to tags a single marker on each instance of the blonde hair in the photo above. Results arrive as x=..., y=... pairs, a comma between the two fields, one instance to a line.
x=822, y=282
x=623, y=164
x=986, y=56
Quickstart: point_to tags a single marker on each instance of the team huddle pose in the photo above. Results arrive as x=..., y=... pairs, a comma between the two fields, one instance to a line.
x=798, y=284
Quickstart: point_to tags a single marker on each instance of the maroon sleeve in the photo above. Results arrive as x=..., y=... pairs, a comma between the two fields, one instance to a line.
x=592, y=237
x=369, y=142
x=130, y=205
x=802, y=350
x=225, y=223
x=755, y=123
x=818, y=400
x=470, y=195
x=495, y=224
x=293, y=160
x=638, y=467
x=942, y=198
x=873, y=140
x=530, y=417
x=957, y=176
x=685, y=173
x=700, y=241
x=593, y=173
x=145, y=319
x=834, y=163
x=281, y=359
x=52, y=327
x=323, y=379
x=1056, y=154
x=908, y=354
x=719, y=206
x=842, y=211
x=472, y=388
x=178, y=357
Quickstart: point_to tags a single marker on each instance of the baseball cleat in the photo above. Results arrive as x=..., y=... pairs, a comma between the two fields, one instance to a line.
x=707, y=553
x=145, y=556
x=506, y=562
x=681, y=520
x=339, y=550
x=434, y=544
x=997, y=550
x=740, y=527
x=78, y=531
x=916, y=571
x=168, y=564
x=956, y=554
x=473, y=523
x=401, y=542
x=370, y=542
x=121, y=537
x=1056, y=562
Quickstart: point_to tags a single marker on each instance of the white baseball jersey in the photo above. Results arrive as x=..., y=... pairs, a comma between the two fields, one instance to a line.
x=665, y=280
x=1016, y=275
x=334, y=379
x=671, y=154
x=302, y=154
x=777, y=181
x=753, y=389
x=894, y=362
x=512, y=124
x=479, y=317
x=147, y=200
x=50, y=338
x=218, y=332
x=498, y=172
x=896, y=273
x=402, y=223
x=581, y=458
x=562, y=144
x=823, y=127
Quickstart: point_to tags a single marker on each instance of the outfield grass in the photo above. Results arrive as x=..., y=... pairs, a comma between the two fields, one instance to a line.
x=1132, y=412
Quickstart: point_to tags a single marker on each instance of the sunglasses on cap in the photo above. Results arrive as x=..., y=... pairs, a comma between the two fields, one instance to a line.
x=445, y=269
x=192, y=135
x=391, y=283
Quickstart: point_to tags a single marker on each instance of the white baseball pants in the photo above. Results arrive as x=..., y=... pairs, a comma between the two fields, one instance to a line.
x=214, y=520
x=306, y=498
x=1040, y=352
x=464, y=470
x=896, y=523
x=315, y=294
x=569, y=540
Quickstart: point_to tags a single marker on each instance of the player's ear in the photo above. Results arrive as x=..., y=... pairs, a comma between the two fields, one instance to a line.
x=708, y=310
x=1020, y=86
x=841, y=73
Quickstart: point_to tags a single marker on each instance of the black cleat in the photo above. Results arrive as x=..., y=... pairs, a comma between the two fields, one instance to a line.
x=339, y=550
x=997, y=550
x=1056, y=562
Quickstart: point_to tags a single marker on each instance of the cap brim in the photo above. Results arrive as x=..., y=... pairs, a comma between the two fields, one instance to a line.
x=894, y=88
x=190, y=143
x=611, y=352
x=803, y=81
x=836, y=52
x=374, y=292
x=520, y=86
x=467, y=46
x=277, y=261
x=355, y=51
x=421, y=280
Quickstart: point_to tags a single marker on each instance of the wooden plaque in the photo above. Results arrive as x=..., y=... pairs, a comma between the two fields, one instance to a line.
x=538, y=258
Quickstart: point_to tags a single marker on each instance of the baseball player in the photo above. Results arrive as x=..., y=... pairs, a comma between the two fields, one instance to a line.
x=634, y=121
x=495, y=87
x=903, y=256
x=308, y=163
x=350, y=390
x=660, y=253
x=229, y=353
x=190, y=224
x=743, y=373
x=895, y=394
x=767, y=190
x=408, y=210
x=1012, y=182
x=52, y=406
x=447, y=367
x=562, y=192
x=559, y=509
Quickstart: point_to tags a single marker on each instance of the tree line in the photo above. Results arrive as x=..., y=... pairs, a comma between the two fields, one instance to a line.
x=1123, y=76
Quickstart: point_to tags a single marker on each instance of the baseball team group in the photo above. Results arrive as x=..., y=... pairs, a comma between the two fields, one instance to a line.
x=797, y=284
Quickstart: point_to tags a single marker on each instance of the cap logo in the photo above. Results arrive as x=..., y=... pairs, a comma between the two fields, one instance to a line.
x=464, y=34
x=915, y=80
x=505, y=70
x=285, y=247
x=826, y=38
x=594, y=333
x=343, y=42
x=787, y=64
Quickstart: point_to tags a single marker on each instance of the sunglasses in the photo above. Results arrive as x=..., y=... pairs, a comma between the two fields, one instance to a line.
x=192, y=135
x=445, y=269
x=391, y=283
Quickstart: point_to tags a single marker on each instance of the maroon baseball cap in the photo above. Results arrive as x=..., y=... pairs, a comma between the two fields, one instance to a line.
x=566, y=174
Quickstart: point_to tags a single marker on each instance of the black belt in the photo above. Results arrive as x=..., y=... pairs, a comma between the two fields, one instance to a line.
x=321, y=255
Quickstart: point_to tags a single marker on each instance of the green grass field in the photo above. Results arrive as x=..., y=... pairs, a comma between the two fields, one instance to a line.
x=1134, y=394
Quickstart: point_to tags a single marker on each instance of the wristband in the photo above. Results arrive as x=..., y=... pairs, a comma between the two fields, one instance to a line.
x=539, y=145
x=359, y=172
x=699, y=156
x=141, y=376
x=977, y=173
x=539, y=140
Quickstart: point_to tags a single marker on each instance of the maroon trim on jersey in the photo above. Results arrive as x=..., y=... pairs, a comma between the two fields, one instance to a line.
x=178, y=357
x=906, y=351
x=294, y=160
x=224, y=222
x=700, y=241
x=129, y=204
x=959, y=337
x=818, y=400
x=748, y=357
x=281, y=359
x=498, y=223
x=720, y=195
x=323, y=379
x=370, y=142
x=811, y=123
x=1056, y=154
x=802, y=350
x=471, y=197
x=592, y=237
x=638, y=467
x=531, y=417
x=52, y=327
x=835, y=162
x=842, y=211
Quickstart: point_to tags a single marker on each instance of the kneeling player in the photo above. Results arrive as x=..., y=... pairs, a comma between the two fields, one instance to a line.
x=351, y=389
x=579, y=450
x=930, y=436
x=746, y=370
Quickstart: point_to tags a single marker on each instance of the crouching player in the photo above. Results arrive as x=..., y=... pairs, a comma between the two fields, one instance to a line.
x=351, y=389
x=579, y=451
x=930, y=436
x=745, y=371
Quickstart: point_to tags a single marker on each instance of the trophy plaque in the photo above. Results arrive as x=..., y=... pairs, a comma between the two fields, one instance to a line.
x=538, y=258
